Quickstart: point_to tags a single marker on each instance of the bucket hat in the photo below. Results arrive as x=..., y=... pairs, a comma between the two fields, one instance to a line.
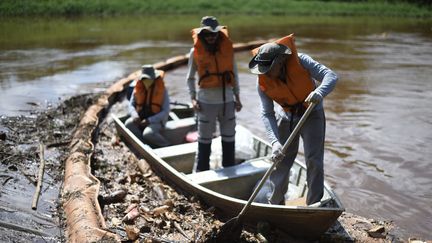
x=210, y=23
x=149, y=72
x=264, y=60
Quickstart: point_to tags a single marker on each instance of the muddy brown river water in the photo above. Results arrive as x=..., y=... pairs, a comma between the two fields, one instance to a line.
x=379, y=129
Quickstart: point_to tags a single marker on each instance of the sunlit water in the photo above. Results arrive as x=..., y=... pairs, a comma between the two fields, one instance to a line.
x=379, y=123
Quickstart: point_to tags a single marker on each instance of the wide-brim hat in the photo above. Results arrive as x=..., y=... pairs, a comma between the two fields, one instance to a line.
x=210, y=23
x=265, y=58
x=149, y=72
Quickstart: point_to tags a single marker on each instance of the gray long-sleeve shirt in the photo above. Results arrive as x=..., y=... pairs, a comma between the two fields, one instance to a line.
x=325, y=80
x=209, y=95
x=161, y=116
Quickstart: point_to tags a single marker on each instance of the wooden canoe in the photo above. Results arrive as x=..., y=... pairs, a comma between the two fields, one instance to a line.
x=228, y=189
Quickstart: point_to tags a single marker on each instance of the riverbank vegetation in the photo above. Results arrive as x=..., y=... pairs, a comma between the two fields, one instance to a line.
x=395, y=8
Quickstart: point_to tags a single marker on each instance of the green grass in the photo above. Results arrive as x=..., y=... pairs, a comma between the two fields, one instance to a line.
x=9, y=8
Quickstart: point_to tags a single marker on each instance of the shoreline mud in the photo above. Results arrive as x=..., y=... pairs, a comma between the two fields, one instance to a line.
x=21, y=138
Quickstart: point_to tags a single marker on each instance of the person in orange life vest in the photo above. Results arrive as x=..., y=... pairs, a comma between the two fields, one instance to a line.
x=149, y=107
x=217, y=98
x=292, y=80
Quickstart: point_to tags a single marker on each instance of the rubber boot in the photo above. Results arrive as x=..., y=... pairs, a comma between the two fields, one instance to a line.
x=228, y=154
x=203, y=157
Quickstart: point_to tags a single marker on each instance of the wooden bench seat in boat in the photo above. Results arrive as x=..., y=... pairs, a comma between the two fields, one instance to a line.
x=237, y=181
x=181, y=157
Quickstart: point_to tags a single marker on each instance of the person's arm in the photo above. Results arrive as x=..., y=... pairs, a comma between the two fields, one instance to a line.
x=131, y=106
x=164, y=113
x=190, y=77
x=236, y=85
x=236, y=88
x=268, y=116
x=320, y=73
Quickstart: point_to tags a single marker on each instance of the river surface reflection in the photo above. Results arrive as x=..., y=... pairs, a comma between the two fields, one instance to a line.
x=379, y=127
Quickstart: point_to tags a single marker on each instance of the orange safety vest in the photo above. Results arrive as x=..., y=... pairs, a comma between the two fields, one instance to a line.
x=214, y=70
x=150, y=99
x=298, y=84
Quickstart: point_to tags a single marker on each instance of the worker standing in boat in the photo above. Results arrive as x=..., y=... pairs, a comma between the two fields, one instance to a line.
x=217, y=98
x=149, y=107
x=292, y=80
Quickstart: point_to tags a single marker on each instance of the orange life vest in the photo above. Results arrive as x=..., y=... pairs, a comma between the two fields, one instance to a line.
x=298, y=81
x=214, y=70
x=150, y=99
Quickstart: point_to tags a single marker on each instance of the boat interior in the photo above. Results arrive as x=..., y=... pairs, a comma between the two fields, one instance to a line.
x=252, y=161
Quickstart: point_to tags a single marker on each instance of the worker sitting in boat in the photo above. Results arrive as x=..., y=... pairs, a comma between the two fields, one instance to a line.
x=149, y=107
x=217, y=98
x=292, y=81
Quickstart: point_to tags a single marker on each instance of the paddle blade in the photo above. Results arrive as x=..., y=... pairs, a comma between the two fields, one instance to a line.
x=230, y=231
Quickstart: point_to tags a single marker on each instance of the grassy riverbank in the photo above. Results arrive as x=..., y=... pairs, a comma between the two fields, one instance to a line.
x=400, y=8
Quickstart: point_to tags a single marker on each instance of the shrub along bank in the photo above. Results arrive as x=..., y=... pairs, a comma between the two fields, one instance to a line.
x=418, y=8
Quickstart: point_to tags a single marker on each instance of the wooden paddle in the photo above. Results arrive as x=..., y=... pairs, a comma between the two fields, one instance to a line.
x=231, y=230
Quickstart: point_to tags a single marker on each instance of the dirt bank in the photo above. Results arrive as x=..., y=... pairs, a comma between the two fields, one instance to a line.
x=157, y=212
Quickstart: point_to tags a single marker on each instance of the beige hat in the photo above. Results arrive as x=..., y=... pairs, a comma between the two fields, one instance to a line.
x=210, y=23
x=149, y=72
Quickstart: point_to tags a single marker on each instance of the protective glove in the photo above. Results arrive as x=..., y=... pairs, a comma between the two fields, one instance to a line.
x=238, y=105
x=314, y=97
x=136, y=119
x=277, y=154
x=196, y=105
x=144, y=122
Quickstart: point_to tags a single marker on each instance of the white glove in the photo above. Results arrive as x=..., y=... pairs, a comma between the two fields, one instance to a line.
x=314, y=97
x=277, y=154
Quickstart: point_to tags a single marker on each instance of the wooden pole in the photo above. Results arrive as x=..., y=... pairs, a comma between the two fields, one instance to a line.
x=40, y=176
